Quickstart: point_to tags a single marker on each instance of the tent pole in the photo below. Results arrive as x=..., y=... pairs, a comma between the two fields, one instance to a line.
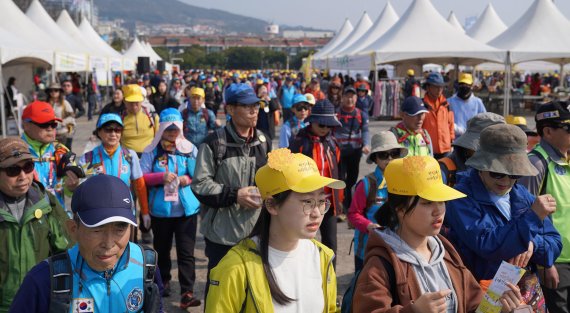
x=2, y=108
x=507, y=91
x=561, y=75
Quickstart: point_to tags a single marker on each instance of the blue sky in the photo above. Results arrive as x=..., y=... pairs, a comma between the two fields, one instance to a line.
x=329, y=14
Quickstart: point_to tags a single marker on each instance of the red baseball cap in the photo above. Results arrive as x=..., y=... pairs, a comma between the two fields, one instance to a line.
x=39, y=112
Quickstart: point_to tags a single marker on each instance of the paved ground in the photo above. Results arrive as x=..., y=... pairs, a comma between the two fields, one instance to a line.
x=345, y=263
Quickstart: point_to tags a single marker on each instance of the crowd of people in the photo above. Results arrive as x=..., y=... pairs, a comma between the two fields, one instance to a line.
x=166, y=162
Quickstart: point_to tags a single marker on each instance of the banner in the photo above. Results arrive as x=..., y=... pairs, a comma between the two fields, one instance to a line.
x=68, y=62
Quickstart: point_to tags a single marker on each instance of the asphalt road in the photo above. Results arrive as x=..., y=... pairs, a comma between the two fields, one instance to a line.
x=345, y=258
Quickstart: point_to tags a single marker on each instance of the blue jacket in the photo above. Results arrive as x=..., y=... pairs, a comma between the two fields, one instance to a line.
x=181, y=164
x=484, y=237
x=196, y=125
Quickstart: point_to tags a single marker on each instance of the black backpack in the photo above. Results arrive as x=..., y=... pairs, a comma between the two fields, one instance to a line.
x=346, y=306
x=61, y=281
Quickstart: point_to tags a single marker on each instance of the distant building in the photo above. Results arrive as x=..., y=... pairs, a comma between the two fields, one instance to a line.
x=308, y=34
x=113, y=29
x=75, y=8
x=291, y=46
x=272, y=29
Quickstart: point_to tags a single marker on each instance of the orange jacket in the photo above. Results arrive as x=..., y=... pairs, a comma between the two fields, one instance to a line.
x=439, y=124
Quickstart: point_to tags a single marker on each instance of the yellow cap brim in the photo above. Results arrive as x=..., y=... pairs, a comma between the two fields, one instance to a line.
x=137, y=98
x=315, y=182
x=440, y=192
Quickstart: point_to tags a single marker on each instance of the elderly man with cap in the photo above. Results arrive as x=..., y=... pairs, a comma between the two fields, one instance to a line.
x=466, y=145
x=353, y=138
x=198, y=121
x=103, y=271
x=500, y=220
x=439, y=120
x=40, y=123
x=550, y=158
x=410, y=132
x=224, y=180
x=316, y=141
x=292, y=126
x=31, y=220
x=465, y=104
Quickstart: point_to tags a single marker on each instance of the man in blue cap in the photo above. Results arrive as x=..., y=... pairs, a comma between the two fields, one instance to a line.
x=103, y=272
x=224, y=181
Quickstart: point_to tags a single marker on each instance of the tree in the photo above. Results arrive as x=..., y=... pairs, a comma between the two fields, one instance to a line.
x=118, y=43
x=162, y=52
x=274, y=59
x=297, y=61
x=244, y=57
x=193, y=57
x=215, y=60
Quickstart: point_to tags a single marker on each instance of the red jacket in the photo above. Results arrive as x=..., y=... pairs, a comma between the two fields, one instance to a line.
x=439, y=123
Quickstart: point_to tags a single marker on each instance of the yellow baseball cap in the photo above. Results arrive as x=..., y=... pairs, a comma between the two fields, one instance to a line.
x=418, y=176
x=516, y=120
x=197, y=91
x=466, y=78
x=291, y=171
x=411, y=72
x=133, y=93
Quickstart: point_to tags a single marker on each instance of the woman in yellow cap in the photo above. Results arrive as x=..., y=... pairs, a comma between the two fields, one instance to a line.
x=280, y=267
x=408, y=267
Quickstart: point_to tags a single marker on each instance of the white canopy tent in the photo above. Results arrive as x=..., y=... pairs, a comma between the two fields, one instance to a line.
x=154, y=57
x=541, y=33
x=387, y=18
x=320, y=58
x=424, y=36
x=135, y=50
x=115, y=58
x=361, y=28
x=488, y=26
x=68, y=58
x=452, y=19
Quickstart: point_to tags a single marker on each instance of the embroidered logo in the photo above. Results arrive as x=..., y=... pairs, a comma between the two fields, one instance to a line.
x=83, y=305
x=135, y=299
x=560, y=170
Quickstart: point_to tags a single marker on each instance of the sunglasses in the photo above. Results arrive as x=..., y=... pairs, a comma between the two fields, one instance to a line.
x=46, y=125
x=323, y=126
x=302, y=108
x=15, y=170
x=109, y=130
x=501, y=175
x=383, y=155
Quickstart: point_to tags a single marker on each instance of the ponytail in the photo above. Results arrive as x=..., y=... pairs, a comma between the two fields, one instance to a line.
x=261, y=230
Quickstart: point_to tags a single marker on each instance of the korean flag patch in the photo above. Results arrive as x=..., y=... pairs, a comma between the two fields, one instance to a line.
x=83, y=305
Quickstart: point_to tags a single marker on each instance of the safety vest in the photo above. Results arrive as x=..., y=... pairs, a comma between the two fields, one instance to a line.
x=418, y=144
x=180, y=164
x=376, y=196
x=117, y=290
x=557, y=180
x=98, y=162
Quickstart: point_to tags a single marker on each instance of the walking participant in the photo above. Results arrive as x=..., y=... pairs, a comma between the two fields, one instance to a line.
x=550, y=158
x=371, y=192
x=168, y=165
x=316, y=141
x=31, y=219
x=224, y=181
x=464, y=104
x=198, y=121
x=410, y=132
x=280, y=267
x=64, y=111
x=439, y=118
x=103, y=271
x=292, y=126
x=408, y=267
x=111, y=158
x=285, y=95
x=40, y=123
x=501, y=220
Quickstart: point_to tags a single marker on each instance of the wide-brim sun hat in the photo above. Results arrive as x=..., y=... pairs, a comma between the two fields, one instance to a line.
x=502, y=150
x=291, y=171
x=418, y=176
x=475, y=125
x=385, y=141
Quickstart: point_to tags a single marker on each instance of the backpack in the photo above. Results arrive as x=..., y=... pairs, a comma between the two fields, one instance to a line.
x=451, y=170
x=346, y=306
x=219, y=146
x=61, y=282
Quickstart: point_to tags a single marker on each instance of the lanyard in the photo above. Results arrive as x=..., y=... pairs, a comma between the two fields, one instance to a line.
x=175, y=163
x=103, y=162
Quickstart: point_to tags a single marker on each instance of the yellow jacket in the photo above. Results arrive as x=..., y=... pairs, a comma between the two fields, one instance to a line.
x=139, y=130
x=238, y=282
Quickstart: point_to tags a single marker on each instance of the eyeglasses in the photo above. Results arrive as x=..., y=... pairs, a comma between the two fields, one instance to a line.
x=323, y=126
x=109, y=130
x=47, y=125
x=335, y=87
x=15, y=170
x=309, y=206
x=302, y=108
x=501, y=175
x=566, y=127
x=383, y=155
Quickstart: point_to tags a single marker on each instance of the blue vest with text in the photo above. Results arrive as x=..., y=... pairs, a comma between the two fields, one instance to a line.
x=116, y=165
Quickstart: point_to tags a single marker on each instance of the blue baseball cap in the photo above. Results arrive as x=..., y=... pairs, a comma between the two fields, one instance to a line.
x=435, y=79
x=413, y=106
x=241, y=94
x=299, y=98
x=107, y=118
x=170, y=115
x=103, y=199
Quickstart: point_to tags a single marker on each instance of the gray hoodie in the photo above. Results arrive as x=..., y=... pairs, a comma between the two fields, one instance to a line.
x=433, y=275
